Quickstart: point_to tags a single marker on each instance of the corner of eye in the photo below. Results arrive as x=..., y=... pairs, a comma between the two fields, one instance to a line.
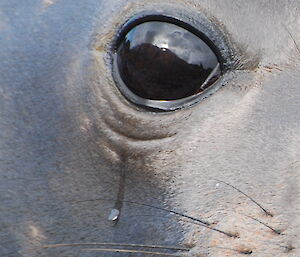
x=245, y=59
x=100, y=42
x=100, y=45
x=245, y=64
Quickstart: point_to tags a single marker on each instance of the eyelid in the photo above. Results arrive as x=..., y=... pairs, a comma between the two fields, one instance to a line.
x=208, y=33
x=200, y=26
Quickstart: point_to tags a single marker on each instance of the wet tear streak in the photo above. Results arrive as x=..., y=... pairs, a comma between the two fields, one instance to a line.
x=115, y=213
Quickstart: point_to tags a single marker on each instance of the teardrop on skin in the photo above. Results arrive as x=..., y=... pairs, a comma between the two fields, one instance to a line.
x=114, y=215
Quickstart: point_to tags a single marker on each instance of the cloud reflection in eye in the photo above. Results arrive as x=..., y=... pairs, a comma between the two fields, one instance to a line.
x=178, y=40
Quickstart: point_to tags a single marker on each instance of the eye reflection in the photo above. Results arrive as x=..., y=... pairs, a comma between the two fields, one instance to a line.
x=162, y=61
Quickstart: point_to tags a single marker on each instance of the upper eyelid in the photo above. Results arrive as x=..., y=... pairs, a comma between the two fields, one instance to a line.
x=202, y=27
x=229, y=53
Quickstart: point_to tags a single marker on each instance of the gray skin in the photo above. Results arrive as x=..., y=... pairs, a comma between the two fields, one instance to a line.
x=67, y=135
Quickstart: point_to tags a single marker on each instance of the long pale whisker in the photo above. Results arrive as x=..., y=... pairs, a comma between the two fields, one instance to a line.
x=130, y=251
x=249, y=197
x=177, y=248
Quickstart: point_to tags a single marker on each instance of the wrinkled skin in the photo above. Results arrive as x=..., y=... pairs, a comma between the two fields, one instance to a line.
x=67, y=135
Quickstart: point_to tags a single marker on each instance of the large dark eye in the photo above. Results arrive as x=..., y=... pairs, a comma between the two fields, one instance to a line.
x=159, y=61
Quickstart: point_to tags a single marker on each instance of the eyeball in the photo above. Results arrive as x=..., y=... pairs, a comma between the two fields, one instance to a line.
x=163, y=66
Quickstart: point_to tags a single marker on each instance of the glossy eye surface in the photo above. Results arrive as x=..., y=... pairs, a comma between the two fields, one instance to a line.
x=159, y=61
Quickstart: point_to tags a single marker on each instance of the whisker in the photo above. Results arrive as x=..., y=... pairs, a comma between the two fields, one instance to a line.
x=289, y=247
x=249, y=197
x=241, y=250
x=292, y=37
x=277, y=231
x=147, y=205
x=234, y=235
x=200, y=222
x=130, y=251
x=162, y=247
x=177, y=248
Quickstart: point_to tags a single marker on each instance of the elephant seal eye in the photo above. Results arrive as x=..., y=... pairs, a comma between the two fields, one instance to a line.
x=160, y=61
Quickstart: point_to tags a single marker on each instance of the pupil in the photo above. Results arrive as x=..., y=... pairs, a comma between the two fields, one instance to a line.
x=162, y=61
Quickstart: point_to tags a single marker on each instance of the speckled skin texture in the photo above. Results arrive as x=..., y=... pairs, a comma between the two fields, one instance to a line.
x=67, y=134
